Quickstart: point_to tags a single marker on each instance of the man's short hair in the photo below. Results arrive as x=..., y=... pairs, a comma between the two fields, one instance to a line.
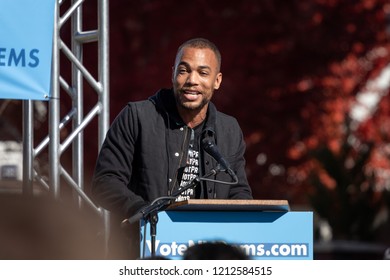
x=202, y=43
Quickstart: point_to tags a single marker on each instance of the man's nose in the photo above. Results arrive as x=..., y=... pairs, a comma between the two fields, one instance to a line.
x=193, y=78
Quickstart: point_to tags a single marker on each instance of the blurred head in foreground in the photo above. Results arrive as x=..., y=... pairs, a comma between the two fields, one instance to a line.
x=44, y=228
x=214, y=251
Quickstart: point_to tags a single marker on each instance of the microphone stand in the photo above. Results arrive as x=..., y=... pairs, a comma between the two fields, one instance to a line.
x=150, y=212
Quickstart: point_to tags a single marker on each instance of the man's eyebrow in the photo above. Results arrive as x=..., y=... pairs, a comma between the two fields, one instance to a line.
x=188, y=66
x=204, y=67
x=183, y=63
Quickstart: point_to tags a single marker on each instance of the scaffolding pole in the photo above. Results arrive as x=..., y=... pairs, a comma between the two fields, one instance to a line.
x=71, y=16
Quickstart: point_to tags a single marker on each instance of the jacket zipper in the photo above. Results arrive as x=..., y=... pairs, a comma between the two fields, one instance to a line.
x=174, y=180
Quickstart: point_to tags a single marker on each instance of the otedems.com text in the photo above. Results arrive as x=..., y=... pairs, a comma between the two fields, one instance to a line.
x=175, y=250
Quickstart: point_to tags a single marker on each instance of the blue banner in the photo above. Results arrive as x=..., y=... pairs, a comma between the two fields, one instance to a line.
x=261, y=235
x=26, y=40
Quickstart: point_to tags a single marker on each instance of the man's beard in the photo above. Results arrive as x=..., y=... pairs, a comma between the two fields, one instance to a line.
x=190, y=106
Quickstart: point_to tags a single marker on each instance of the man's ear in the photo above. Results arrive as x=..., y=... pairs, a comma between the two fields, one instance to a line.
x=218, y=81
x=173, y=74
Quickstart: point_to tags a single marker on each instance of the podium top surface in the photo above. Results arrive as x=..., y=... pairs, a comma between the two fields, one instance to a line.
x=230, y=205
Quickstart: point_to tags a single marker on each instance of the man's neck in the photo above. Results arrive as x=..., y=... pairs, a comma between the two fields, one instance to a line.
x=193, y=118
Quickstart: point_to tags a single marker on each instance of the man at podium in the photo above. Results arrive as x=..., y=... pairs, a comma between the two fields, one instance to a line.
x=174, y=144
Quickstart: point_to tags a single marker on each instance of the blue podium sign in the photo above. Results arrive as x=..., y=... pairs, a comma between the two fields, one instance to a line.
x=26, y=40
x=270, y=235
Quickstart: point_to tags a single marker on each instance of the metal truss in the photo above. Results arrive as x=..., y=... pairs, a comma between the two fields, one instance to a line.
x=69, y=16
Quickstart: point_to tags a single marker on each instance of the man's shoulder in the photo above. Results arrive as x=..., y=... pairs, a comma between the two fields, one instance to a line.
x=226, y=118
x=140, y=106
x=224, y=115
x=134, y=110
x=153, y=101
x=136, y=103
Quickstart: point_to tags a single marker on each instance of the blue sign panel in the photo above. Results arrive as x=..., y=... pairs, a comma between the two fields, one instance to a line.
x=262, y=235
x=26, y=40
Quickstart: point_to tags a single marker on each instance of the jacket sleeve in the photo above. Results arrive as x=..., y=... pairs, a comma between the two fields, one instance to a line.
x=232, y=146
x=242, y=190
x=113, y=168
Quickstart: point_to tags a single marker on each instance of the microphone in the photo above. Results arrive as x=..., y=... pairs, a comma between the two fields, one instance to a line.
x=210, y=147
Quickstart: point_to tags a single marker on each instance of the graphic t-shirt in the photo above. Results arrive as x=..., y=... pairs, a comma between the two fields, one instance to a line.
x=191, y=170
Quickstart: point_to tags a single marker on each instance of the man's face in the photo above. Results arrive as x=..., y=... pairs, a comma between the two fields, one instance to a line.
x=195, y=77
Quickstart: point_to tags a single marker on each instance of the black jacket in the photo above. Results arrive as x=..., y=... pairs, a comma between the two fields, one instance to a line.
x=143, y=150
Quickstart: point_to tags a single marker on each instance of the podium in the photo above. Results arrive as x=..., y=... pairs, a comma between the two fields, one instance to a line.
x=264, y=229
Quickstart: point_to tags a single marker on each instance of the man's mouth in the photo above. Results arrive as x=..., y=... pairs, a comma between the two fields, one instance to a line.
x=190, y=91
x=191, y=95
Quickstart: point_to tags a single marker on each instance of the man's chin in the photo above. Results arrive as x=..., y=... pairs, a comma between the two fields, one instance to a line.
x=190, y=106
